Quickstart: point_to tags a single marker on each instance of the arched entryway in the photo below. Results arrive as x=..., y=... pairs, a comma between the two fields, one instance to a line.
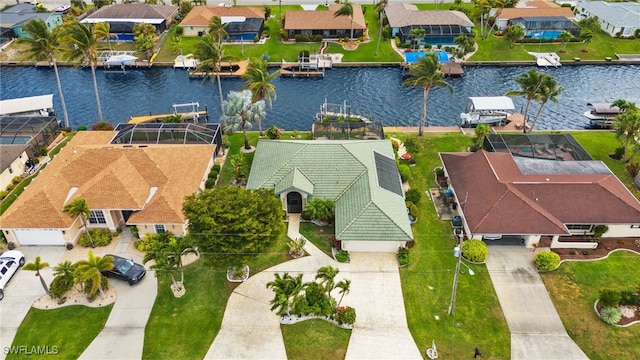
x=294, y=202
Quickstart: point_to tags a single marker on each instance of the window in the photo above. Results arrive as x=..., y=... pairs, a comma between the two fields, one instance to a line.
x=10, y=170
x=160, y=229
x=580, y=229
x=97, y=217
x=635, y=226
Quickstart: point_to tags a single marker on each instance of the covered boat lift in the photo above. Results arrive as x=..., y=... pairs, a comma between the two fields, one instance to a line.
x=28, y=106
x=487, y=110
x=603, y=114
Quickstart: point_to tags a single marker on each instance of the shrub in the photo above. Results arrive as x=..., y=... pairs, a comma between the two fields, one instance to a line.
x=586, y=252
x=628, y=297
x=82, y=128
x=60, y=285
x=404, y=171
x=610, y=298
x=217, y=167
x=296, y=246
x=633, y=169
x=475, y=250
x=413, y=195
x=610, y=315
x=3, y=194
x=10, y=186
x=148, y=240
x=16, y=179
x=412, y=209
x=403, y=256
x=100, y=237
x=210, y=183
x=342, y=256
x=346, y=316
x=284, y=35
x=273, y=132
x=395, y=144
x=412, y=145
x=547, y=260
x=598, y=231
x=619, y=152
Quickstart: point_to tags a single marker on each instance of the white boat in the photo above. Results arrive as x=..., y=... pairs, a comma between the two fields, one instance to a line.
x=490, y=110
x=548, y=59
x=120, y=60
x=602, y=114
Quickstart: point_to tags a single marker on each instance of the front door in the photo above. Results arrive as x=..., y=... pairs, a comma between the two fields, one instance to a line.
x=294, y=202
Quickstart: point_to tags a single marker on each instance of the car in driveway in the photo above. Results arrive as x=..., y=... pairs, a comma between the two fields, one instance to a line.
x=10, y=262
x=126, y=269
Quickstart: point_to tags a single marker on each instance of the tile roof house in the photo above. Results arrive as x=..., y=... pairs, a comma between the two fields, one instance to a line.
x=323, y=22
x=123, y=17
x=360, y=176
x=505, y=15
x=242, y=21
x=442, y=26
x=615, y=18
x=142, y=185
x=529, y=198
x=14, y=17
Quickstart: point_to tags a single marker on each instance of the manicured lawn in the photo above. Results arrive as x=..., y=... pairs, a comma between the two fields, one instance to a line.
x=575, y=286
x=237, y=141
x=315, y=339
x=69, y=329
x=319, y=236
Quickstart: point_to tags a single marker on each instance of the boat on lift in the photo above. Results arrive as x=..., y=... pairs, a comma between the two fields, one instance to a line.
x=602, y=114
x=490, y=110
x=120, y=60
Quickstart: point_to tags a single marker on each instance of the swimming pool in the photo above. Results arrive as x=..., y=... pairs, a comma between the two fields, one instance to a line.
x=546, y=34
x=412, y=57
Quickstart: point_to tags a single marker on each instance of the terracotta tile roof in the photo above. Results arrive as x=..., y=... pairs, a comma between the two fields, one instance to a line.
x=112, y=177
x=135, y=11
x=503, y=200
x=512, y=13
x=402, y=14
x=201, y=15
x=541, y=4
x=324, y=19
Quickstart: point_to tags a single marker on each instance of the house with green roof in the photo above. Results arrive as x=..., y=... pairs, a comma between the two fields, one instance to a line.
x=360, y=176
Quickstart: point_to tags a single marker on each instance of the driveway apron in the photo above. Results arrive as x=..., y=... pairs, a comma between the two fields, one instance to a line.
x=536, y=329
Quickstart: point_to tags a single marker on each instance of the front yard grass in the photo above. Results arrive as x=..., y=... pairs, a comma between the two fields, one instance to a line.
x=321, y=237
x=575, y=286
x=69, y=329
x=315, y=339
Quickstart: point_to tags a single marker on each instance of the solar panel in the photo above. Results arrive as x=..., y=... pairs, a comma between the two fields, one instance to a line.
x=387, y=171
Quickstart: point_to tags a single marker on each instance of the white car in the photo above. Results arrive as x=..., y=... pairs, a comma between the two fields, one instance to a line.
x=10, y=262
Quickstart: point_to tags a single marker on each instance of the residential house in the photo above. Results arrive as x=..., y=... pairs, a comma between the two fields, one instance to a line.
x=14, y=17
x=512, y=194
x=241, y=22
x=615, y=18
x=123, y=17
x=543, y=22
x=325, y=23
x=441, y=26
x=125, y=178
x=360, y=176
x=13, y=160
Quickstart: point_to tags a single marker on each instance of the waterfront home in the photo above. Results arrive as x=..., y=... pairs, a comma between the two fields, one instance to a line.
x=545, y=22
x=242, y=22
x=137, y=175
x=537, y=186
x=123, y=17
x=441, y=26
x=15, y=16
x=360, y=176
x=619, y=19
x=323, y=23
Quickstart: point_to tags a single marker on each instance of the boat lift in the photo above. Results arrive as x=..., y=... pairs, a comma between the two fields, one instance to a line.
x=111, y=58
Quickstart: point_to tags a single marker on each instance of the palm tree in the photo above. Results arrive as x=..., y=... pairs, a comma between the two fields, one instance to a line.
x=258, y=80
x=91, y=270
x=287, y=290
x=586, y=36
x=84, y=46
x=513, y=33
x=320, y=208
x=482, y=7
x=65, y=268
x=79, y=207
x=417, y=35
x=102, y=31
x=627, y=126
x=345, y=287
x=426, y=73
x=168, y=254
x=549, y=90
x=239, y=112
x=42, y=45
x=565, y=37
x=209, y=52
x=346, y=10
x=327, y=275
x=379, y=8
x=530, y=83
x=36, y=266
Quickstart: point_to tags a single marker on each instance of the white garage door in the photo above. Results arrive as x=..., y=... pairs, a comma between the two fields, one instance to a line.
x=371, y=246
x=39, y=237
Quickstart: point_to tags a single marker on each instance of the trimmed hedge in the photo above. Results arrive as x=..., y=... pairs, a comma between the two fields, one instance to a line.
x=101, y=237
x=404, y=171
x=475, y=250
x=547, y=260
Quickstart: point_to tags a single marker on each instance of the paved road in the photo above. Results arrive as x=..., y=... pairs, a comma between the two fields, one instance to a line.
x=536, y=329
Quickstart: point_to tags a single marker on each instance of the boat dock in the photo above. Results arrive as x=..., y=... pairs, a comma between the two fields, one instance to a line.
x=450, y=69
x=185, y=62
x=547, y=59
x=193, y=115
x=232, y=70
x=307, y=66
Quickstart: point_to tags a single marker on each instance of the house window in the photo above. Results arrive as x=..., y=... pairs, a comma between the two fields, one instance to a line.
x=97, y=217
x=580, y=229
x=160, y=229
x=10, y=170
x=635, y=226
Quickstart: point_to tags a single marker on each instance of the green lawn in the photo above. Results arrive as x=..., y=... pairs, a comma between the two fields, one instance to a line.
x=575, y=286
x=318, y=236
x=315, y=339
x=69, y=330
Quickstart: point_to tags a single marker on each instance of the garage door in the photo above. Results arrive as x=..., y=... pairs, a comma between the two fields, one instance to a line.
x=371, y=246
x=39, y=237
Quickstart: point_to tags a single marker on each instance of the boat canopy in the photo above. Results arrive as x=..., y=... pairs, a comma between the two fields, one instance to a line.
x=26, y=104
x=604, y=108
x=491, y=103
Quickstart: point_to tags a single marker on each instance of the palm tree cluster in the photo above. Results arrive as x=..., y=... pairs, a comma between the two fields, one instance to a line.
x=293, y=296
x=627, y=127
x=167, y=251
x=320, y=209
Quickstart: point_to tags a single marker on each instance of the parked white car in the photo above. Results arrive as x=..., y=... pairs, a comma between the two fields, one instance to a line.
x=10, y=262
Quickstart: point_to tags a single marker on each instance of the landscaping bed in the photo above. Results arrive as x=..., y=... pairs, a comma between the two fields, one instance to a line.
x=630, y=314
x=605, y=246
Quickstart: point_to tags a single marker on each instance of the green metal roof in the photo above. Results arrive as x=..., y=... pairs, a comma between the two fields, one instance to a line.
x=344, y=171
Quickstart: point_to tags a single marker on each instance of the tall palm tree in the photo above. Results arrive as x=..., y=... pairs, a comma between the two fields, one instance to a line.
x=102, y=31
x=379, y=8
x=258, y=80
x=239, y=112
x=43, y=45
x=345, y=287
x=627, y=126
x=91, y=270
x=79, y=207
x=346, y=10
x=287, y=290
x=530, y=84
x=426, y=73
x=327, y=275
x=209, y=52
x=83, y=46
x=36, y=266
x=549, y=90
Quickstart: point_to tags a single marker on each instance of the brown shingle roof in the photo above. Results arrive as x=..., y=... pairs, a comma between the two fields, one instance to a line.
x=402, y=14
x=502, y=200
x=135, y=11
x=512, y=13
x=324, y=19
x=201, y=15
x=112, y=177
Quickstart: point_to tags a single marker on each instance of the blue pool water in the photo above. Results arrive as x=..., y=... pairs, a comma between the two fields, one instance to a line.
x=548, y=34
x=412, y=57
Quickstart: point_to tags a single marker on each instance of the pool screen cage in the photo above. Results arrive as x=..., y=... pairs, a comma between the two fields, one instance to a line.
x=533, y=25
x=435, y=33
x=542, y=146
x=168, y=133
x=35, y=131
x=350, y=130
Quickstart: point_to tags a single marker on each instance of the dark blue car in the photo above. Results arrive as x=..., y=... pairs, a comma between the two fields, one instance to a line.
x=126, y=269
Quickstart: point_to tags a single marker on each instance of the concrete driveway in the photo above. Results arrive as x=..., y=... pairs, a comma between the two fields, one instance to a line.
x=536, y=329
x=23, y=289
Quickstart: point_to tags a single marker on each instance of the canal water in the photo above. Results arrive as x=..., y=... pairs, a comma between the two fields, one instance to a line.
x=376, y=92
